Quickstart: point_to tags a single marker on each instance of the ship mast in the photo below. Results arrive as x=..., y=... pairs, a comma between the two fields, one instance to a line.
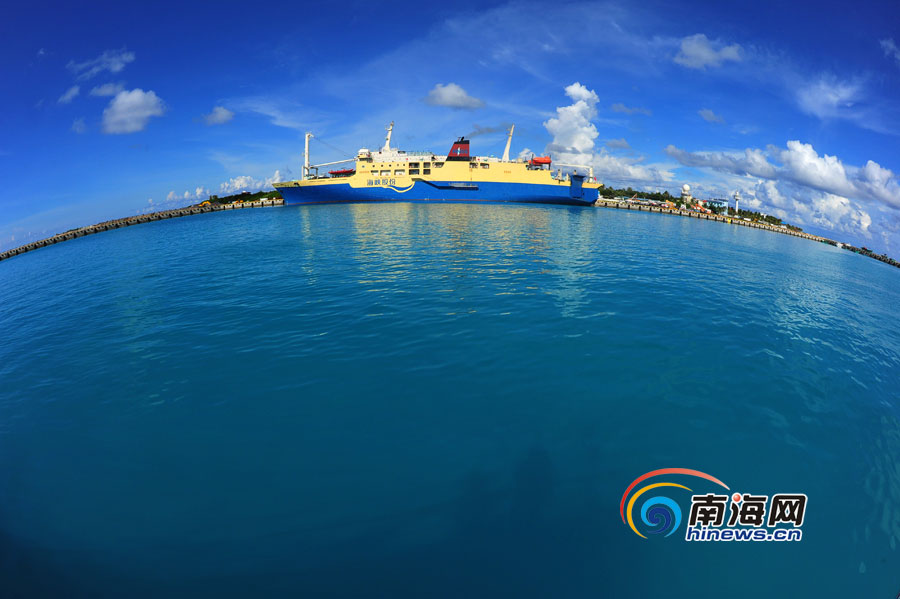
x=305, y=174
x=387, y=140
x=508, y=141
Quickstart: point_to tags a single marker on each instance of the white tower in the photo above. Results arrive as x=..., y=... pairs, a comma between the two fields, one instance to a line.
x=686, y=194
x=737, y=199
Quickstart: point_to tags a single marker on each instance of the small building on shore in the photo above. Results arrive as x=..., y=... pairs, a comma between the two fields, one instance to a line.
x=715, y=203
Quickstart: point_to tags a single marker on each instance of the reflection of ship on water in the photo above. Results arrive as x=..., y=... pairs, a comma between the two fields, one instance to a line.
x=447, y=242
x=452, y=228
x=390, y=174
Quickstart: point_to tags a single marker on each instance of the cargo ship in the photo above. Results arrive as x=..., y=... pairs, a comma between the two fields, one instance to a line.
x=392, y=175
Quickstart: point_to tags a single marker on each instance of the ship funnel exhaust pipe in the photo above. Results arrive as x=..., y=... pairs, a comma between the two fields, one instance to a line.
x=460, y=150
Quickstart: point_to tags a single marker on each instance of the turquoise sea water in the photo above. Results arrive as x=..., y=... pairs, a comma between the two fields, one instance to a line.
x=440, y=401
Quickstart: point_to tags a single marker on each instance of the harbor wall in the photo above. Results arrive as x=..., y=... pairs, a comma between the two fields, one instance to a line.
x=136, y=220
x=704, y=216
x=179, y=212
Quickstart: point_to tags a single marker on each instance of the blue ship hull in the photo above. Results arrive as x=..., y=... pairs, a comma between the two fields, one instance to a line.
x=438, y=191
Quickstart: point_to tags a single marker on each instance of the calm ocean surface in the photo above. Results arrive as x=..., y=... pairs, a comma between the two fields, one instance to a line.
x=440, y=401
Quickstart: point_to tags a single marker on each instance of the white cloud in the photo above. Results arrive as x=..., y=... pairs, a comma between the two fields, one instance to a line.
x=697, y=52
x=834, y=215
x=829, y=98
x=78, y=126
x=242, y=183
x=618, y=144
x=573, y=142
x=129, y=111
x=276, y=177
x=710, y=116
x=200, y=193
x=619, y=107
x=69, y=95
x=281, y=111
x=891, y=50
x=452, y=96
x=248, y=183
x=111, y=60
x=572, y=129
x=806, y=207
x=627, y=170
x=837, y=212
x=107, y=89
x=219, y=115
x=751, y=162
x=798, y=185
x=801, y=163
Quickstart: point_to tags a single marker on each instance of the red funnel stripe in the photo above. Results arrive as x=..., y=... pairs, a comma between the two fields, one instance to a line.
x=460, y=150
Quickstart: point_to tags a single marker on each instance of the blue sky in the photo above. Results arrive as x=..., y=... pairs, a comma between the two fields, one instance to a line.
x=112, y=109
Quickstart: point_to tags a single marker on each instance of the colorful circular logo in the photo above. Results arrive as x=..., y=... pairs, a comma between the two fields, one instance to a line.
x=659, y=513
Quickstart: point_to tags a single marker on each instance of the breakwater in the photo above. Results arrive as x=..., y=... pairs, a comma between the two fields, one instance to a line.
x=136, y=220
x=704, y=216
x=200, y=209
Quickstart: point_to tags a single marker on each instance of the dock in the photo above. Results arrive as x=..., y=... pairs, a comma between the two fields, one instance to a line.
x=704, y=216
x=137, y=220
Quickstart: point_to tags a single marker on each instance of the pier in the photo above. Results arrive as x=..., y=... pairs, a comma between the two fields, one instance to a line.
x=136, y=220
x=704, y=216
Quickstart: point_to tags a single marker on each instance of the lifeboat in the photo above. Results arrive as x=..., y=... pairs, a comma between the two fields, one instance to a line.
x=342, y=172
x=539, y=160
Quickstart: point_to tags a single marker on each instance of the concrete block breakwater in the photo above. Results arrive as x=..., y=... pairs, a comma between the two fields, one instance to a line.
x=705, y=216
x=136, y=220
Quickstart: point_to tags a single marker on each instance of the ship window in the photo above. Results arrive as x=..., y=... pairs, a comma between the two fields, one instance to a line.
x=426, y=165
x=413, y=165
x=413, y=171
x=399, y=172
x=485, y=166
x=473, y=165
x=385, y=173
x=438, y=164
x=427, y=171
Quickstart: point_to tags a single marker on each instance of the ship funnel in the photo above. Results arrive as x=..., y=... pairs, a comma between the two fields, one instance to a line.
x=508, y=142
x=460, y=150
